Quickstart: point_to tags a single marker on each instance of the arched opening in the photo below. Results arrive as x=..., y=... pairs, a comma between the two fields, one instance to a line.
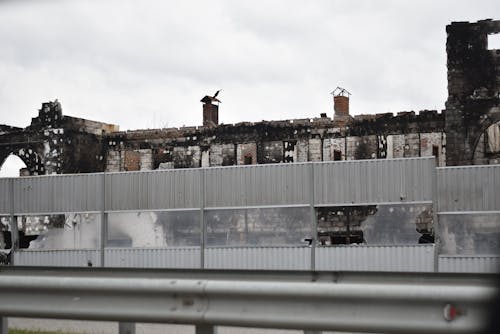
x=487, y=148
x=13, y=166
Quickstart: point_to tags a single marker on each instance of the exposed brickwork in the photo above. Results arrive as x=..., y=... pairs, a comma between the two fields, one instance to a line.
x=54, y=143
x=465, y=133
x=473, y=90
x=341, y=105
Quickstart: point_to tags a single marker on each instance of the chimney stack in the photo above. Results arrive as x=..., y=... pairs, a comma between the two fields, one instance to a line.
x=210, y=110
x=340, y=102
x=341, y=116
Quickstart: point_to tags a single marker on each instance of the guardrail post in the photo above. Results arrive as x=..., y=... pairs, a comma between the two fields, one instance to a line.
x=126, y=328
x=205, y=329
x=4, y=328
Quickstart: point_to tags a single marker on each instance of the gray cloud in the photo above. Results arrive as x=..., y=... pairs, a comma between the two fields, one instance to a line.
x=147, y=64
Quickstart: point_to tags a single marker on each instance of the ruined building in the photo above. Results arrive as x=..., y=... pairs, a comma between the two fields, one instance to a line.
x=466, y=132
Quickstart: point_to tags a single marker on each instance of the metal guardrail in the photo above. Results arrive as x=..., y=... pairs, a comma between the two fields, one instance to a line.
x=375, y=302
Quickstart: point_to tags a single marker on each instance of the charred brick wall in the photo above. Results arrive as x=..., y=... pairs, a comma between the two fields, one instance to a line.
x=367, y=137
x=473, y=91
x=56, y=144
x=467, y=132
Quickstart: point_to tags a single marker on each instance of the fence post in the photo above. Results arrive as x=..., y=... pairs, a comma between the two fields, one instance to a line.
x=14, y=232
x=314, y=228
x=435, y=216
x=202, y=218
x=126, y=328
x=104, y=221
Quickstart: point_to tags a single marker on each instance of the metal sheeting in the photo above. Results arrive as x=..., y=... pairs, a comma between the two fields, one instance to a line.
x=265, y=258
x=346, y=182
x=418, y=258
x=168, y=189
x=5, y=196
x=57, y=258
x=182, y=257
x=61, y=193
x=374, y=181
x=257, y=185
x=468, y=188
x=470, y=264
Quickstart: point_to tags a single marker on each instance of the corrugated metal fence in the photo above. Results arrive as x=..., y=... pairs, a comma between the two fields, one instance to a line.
x=394, y=181
x=346, y=182
x=469, y=209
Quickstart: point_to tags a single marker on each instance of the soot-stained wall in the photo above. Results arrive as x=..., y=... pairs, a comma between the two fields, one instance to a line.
x=466, y=132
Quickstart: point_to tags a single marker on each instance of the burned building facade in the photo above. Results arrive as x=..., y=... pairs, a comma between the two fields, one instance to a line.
x=466, y=132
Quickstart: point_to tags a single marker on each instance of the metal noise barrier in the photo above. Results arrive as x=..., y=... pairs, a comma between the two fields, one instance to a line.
x=436, y=305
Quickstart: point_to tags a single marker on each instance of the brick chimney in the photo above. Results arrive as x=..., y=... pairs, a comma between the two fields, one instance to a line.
x=341, y=106
x=210, y=110
x=341, y=102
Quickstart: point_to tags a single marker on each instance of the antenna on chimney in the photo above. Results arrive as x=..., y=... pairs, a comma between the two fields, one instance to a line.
x=339, y=91
x=341, y=106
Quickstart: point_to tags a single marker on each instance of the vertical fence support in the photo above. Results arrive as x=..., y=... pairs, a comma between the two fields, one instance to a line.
x=14, y=232
x=202, y=218
x=126, y=328
x=314, y=228
x=435, y=217
x=205, y=329
x=104, y=221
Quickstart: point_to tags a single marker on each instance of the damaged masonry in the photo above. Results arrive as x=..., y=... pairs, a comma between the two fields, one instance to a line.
x=467, y=132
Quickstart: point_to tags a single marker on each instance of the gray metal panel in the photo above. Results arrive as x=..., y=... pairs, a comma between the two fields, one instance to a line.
x=167, y=189
x=373, y=181
x=268, y=258
x=469, y=264
x=5, y=196
x=61, y=193
x=468, y=188
x=58, y=258
x=182, y=257
x=418, y=258
x=257, y=185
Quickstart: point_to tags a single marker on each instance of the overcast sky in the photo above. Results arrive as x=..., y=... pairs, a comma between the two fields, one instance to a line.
x=146, y=64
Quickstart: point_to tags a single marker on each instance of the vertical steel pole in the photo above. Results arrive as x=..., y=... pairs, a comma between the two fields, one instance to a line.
x=104, y=221
x=435, y=217
x=202, y=218
x=314, y=228
x=126, y=328
x=205, y=329
x=14, y=232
